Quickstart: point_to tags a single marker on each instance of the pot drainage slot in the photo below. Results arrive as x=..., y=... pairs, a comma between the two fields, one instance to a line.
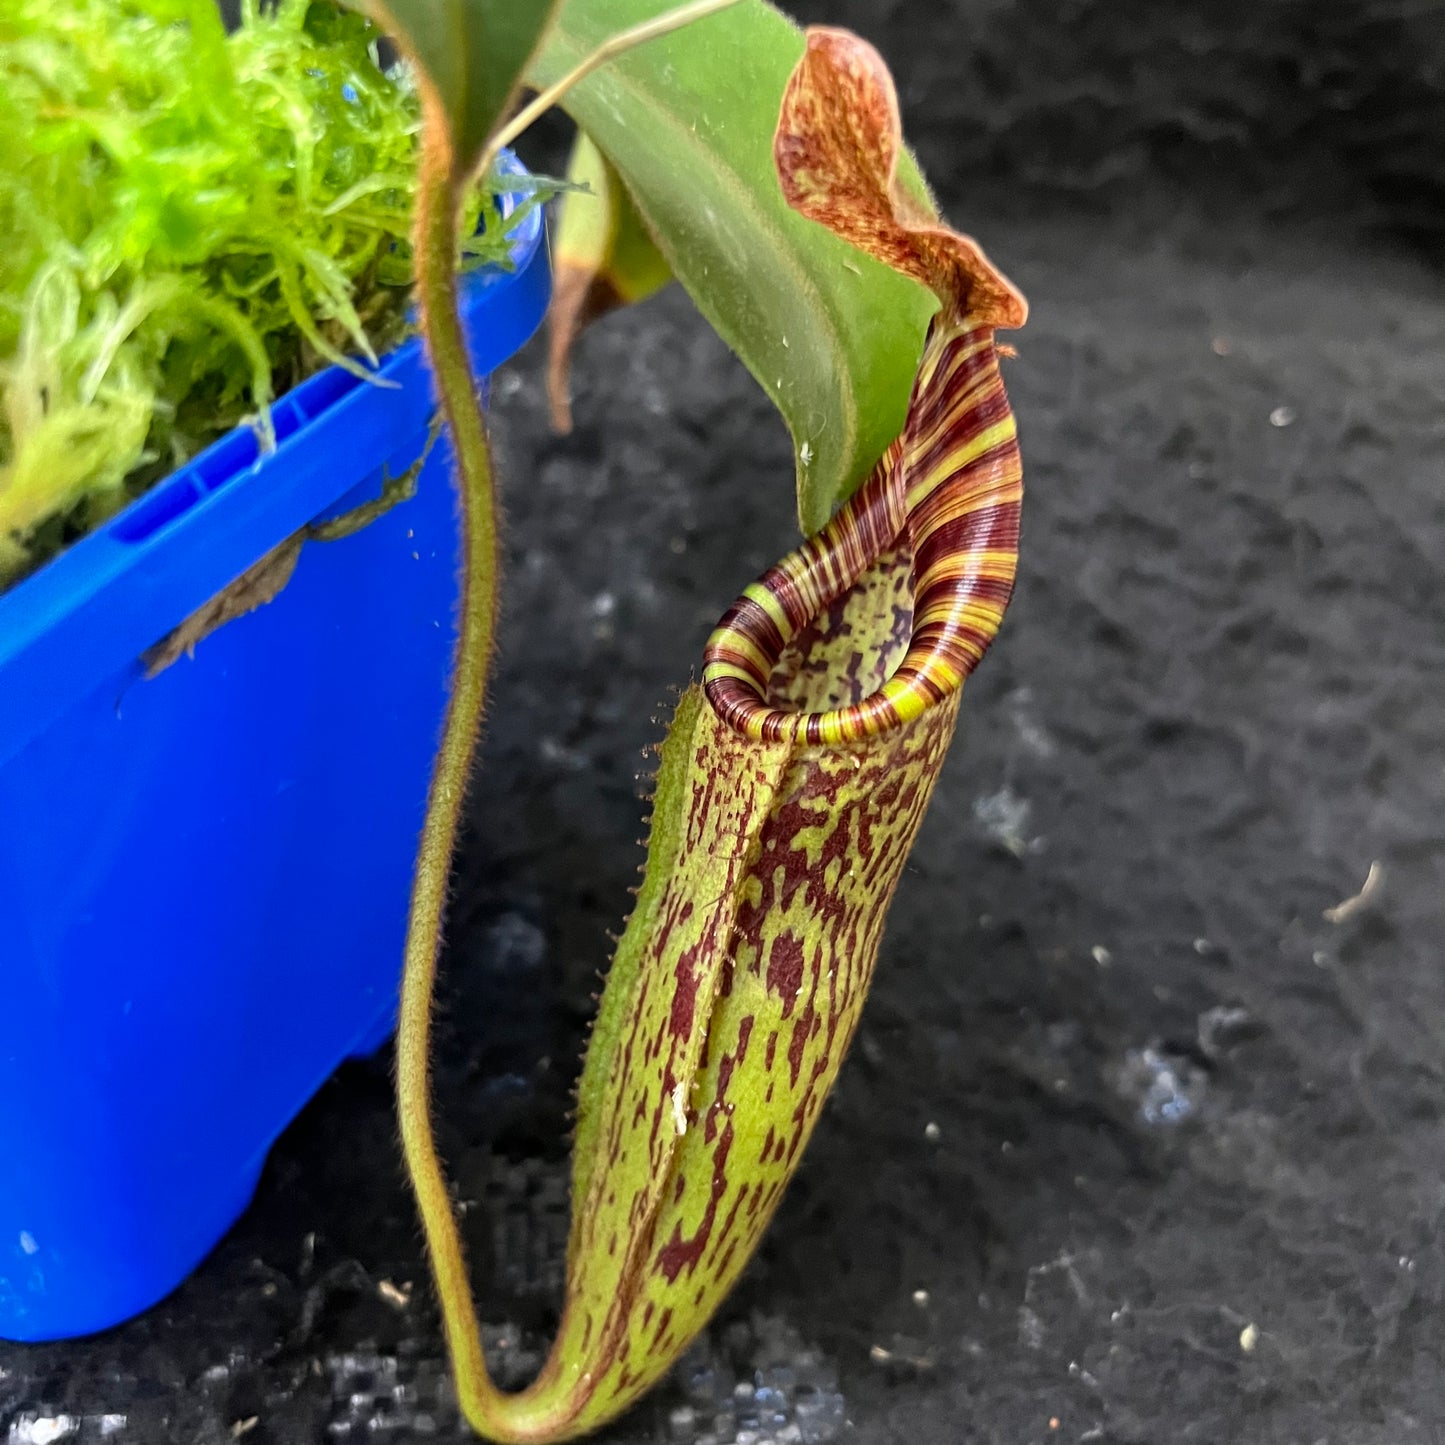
x=155, y=510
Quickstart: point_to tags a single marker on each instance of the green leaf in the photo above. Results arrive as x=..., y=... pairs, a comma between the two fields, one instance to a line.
x=473, y=52
x=687, y=121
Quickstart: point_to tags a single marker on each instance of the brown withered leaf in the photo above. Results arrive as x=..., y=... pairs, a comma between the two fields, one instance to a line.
x=255, y=587
x=602, y=258
x=836, y=149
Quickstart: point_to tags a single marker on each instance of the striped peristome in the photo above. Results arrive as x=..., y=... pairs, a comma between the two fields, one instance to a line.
x=951, y=486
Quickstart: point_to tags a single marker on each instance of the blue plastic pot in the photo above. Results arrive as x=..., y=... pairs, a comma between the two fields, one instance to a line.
x=204, y=875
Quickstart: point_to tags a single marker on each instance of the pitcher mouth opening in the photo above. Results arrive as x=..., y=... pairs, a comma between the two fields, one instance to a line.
x=950, y=487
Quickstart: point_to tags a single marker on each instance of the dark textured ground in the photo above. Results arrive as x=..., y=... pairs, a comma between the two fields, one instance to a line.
x=1160, y=1141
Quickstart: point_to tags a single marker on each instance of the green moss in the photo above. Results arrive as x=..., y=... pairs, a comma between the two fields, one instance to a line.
x=193, y=222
